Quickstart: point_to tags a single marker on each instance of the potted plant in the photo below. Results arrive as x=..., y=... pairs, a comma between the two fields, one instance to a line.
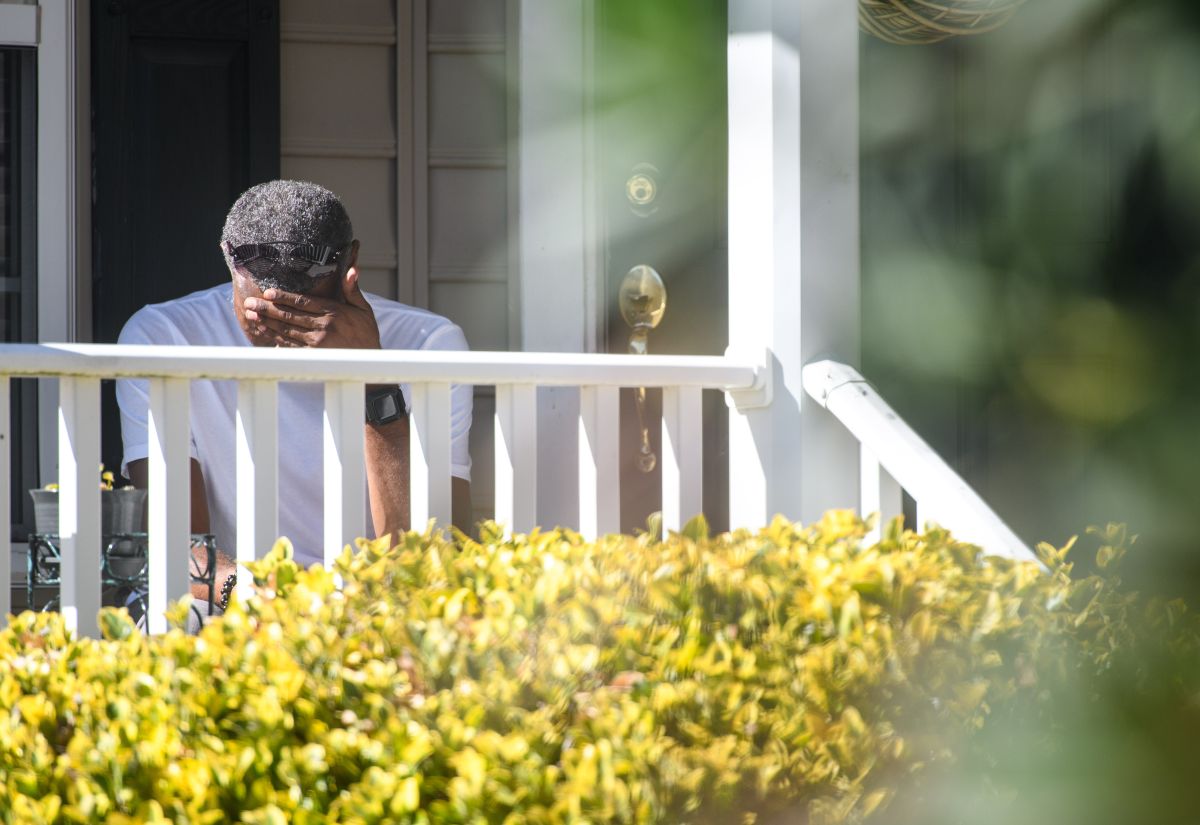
x=121, y=508
x=121, y=513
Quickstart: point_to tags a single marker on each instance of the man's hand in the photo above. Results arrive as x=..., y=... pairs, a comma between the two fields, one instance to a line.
x=286, y=319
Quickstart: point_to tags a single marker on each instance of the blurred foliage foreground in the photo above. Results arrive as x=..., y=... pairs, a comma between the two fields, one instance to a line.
x=791, y=674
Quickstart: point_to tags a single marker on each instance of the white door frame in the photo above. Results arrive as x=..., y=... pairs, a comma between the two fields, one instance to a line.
x=64, y=193
x=561, y=280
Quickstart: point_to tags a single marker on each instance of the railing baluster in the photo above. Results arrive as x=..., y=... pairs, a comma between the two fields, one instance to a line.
x=599, y=461
x=5, y=502
x=79, y=502
x=429, y=485
x=257, y=472
x=516, y=457
x=345, y=468
x=880, y=492
x=169, y=494
x=682, y=456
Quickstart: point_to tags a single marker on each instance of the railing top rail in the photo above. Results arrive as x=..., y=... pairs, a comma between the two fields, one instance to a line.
x=911, y=462
x=378, y=366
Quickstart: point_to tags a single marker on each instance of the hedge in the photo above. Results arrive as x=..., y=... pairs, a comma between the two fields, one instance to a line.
x=790, y=672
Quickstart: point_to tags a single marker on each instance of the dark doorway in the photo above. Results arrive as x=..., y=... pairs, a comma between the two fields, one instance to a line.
x=185, y=106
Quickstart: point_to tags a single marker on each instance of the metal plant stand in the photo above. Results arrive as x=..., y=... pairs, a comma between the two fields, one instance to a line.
x=124, y=560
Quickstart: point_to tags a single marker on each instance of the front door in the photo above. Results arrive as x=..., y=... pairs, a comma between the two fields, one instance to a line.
x=185, y=103
x=660, y=115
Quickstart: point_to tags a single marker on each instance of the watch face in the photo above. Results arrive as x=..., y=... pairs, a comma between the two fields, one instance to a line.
x=386, y=408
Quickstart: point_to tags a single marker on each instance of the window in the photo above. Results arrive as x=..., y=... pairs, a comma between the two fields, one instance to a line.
x=18, y=265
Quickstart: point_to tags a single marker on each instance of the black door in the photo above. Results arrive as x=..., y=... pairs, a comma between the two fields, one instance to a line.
x=185, y=104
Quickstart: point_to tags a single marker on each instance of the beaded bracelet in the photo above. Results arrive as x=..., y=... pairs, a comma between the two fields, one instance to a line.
x=226, y=591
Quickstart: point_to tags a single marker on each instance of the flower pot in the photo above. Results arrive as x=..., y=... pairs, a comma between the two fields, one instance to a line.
x=126, y=560
x=120, y=511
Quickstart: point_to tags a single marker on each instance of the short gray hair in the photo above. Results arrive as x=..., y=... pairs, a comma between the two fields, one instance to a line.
x=288, y=210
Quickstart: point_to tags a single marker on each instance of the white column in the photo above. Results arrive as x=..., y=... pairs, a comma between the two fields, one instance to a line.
x=257, y=472
x=682, y=456
x=79, y=502
x=344, y=467
x=880, y=493
x=599, y=461
x=516, y=457
x=793, y=246
x=5, y=502
x=429, y=462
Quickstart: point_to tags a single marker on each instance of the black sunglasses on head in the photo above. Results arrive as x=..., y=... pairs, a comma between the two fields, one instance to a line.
x=268, y=257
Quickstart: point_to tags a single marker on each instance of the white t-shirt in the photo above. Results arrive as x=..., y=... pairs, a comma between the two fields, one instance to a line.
x=206, y=318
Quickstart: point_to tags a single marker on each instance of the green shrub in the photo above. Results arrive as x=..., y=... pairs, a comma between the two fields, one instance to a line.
x=548, y=679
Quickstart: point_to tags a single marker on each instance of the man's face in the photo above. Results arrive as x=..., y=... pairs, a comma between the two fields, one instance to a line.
x=245, y=286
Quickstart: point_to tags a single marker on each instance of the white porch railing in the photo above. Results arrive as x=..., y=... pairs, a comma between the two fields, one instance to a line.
x=515, y=376
x=890, y=449
x=893, y=458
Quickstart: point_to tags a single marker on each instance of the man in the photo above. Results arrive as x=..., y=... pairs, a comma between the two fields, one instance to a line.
x=292, y=257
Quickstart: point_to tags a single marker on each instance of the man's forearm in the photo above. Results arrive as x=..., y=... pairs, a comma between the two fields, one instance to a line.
x=224, y=566
x=386, y=454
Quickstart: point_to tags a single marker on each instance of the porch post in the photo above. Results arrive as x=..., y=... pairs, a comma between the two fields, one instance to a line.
x=793, y=247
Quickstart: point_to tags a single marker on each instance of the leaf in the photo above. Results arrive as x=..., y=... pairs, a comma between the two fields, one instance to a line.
x=697, y=528
x=408, y=796
x=116, y=624
x=654, y=525
x=177, y=613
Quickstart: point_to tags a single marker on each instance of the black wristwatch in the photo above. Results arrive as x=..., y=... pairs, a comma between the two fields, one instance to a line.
x=385, y=405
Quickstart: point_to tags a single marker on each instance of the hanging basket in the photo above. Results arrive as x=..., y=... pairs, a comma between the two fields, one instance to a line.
x=928, y=21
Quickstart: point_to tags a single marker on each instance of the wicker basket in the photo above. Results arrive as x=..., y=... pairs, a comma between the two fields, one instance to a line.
x=928, y=21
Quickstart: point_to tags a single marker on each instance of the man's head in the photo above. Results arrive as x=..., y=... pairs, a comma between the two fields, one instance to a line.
x=289, y=235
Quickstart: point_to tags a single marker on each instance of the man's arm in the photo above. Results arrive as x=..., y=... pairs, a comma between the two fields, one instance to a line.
x=386, y=447
x=139, y=473
x=461, y=509
x=347, y=322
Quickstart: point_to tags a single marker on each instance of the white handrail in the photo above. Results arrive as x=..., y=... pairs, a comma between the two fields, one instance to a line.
x=545, y=369
x=906, y=457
